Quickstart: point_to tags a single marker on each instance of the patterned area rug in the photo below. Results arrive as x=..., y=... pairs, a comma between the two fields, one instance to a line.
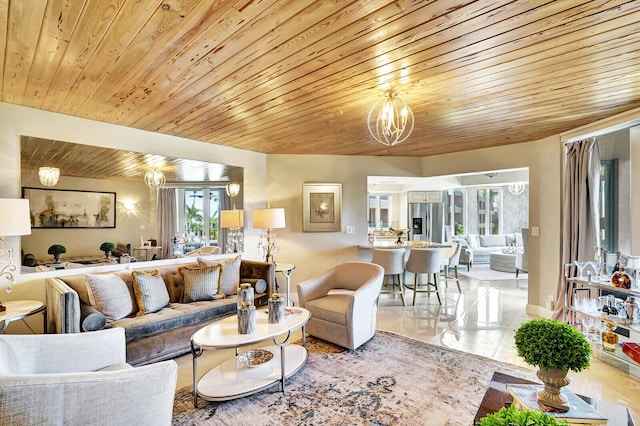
x=391, y=380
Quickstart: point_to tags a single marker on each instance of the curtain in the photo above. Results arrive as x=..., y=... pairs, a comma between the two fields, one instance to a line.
x=580, y=217
x=166, y=220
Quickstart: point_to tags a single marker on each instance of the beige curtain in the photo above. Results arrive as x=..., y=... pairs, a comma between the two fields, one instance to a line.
x=580, y=218
x=166, y=219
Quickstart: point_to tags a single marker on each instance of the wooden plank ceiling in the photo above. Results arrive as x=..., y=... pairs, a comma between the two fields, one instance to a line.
x=299, y=76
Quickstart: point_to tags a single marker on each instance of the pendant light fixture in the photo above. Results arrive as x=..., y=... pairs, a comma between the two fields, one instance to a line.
x=390, y=120
x=154, y=178
x=516, y=187
x=49, y=176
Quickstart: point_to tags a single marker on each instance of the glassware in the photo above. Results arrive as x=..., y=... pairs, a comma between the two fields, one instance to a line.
x=581, y=266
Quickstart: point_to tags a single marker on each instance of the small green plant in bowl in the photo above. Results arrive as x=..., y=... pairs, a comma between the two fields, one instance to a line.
x=107, y=247
x=57, y=251
x=510, y=416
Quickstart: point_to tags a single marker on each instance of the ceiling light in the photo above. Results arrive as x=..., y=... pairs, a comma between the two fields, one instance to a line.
x=154, y=179
x=516, y=187
x=233, y=189
x=48, y=175
x=390, y=120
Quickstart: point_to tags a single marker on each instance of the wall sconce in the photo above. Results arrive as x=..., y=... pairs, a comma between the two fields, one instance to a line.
x=155, y=179
x=233, y=189
x=234, y=221
x=268, y=219
x=49, y=176
x=15, y=220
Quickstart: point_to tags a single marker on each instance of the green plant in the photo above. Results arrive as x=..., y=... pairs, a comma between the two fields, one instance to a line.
x=552, y=344
x=107, y=247
x=57, y=249
x=510, y=416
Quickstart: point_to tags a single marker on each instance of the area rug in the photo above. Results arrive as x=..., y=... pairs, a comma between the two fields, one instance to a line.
x=484, y=273
x=391, y=380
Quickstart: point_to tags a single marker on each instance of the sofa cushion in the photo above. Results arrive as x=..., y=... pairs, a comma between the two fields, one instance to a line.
x=510, y=239
x=150, y=290
x=230, y=273
x=109, y=295
x=201, y=283
x=473, y=240
x=492, y=240
x=176, y=315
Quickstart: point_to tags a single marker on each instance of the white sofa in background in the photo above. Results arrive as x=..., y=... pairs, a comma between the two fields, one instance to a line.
x=482, y=245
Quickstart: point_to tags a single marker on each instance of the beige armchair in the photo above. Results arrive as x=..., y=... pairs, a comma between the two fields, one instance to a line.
x=81, y=379
x=342, y=302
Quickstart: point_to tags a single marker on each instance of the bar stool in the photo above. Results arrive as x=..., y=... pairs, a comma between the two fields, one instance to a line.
x=392, y=261
x=424, y=261
x=451, y=259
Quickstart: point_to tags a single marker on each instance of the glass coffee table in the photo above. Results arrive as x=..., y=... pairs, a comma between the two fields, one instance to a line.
x=233, y=379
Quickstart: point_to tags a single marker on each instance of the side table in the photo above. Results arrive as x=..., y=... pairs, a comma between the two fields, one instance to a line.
x=286, y=269
x=19, y=310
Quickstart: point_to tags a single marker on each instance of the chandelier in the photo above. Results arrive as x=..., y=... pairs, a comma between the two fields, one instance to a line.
x=233, y=189
x=516, y=187
x=48, y=175
x=390, y=120
x=154, y=179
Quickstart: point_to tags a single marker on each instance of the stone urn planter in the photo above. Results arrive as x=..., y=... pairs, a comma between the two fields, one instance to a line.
x=57, y=250
x=555, y=348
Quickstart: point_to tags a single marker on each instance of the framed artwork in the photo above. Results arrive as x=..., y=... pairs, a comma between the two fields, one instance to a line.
x=321, y=207
x=62, y=208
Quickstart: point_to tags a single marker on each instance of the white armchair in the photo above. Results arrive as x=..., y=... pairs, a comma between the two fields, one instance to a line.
x=342, y=302
x=81, y=378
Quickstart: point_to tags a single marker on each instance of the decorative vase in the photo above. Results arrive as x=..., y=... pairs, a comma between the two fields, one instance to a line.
x=245, y=295
x=276, y=309
x=246, y=309
x=554, y=379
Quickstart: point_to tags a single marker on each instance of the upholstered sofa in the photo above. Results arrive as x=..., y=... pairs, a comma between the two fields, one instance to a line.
x=159, y=308
x=480, y=246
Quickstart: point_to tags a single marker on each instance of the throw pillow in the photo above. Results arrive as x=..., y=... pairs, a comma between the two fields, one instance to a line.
x=109, y=295
x=150, y=290
x=201, y=283
x=230, y=273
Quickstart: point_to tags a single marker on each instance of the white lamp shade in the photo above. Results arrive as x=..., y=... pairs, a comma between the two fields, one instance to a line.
x=231, y=218
x=14, y=217
x=268, y=218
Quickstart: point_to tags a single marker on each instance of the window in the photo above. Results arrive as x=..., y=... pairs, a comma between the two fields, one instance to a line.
x=608, y=205
x=379, y=212
x=455, y=208
x=200, y=213
x=489, y=211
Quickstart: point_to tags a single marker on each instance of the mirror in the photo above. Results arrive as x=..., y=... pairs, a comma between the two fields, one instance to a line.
x=117, y=176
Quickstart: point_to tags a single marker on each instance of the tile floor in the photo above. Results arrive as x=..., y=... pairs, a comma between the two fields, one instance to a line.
x=481, y=320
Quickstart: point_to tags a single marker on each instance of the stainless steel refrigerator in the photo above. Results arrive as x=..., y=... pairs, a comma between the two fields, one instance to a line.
x=426, y=221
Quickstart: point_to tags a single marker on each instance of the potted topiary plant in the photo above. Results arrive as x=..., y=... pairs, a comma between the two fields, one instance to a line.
x=555, y=348
x=107, y=247
x=57, y=250
x=510, y=416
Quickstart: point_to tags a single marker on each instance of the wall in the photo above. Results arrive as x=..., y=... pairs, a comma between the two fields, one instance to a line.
x=313, y=253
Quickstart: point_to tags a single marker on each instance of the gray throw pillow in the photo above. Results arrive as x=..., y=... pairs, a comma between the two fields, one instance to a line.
x=150, y=290
x=108, y=294
x=201, y=283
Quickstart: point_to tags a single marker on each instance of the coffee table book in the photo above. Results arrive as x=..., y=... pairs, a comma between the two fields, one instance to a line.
x=580, y=413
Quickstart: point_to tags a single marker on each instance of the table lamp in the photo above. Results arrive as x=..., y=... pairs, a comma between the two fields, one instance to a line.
x=268, y=219
x=14, y=221
x=233, y=220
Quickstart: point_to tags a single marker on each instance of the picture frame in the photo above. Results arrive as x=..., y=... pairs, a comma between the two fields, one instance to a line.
x=322, y=207
x=70, y=209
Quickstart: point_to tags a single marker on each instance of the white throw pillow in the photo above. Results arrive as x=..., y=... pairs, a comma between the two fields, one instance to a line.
x=108, y=294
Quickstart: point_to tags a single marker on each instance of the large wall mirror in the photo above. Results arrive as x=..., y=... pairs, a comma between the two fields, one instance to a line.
x=110, y=184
